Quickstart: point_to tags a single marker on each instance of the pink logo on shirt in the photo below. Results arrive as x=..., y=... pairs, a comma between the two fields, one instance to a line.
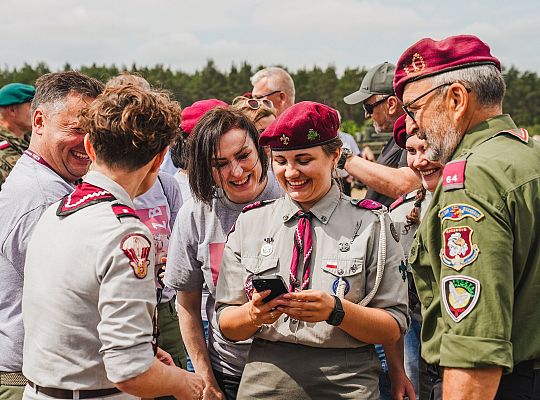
x=216, y=254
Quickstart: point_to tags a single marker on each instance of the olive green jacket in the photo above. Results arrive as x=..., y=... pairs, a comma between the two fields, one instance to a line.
x=11, y=149
x=476, y=257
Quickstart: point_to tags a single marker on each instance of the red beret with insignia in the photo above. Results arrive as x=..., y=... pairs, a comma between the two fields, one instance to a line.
x=429, y=57
x=400, y=131
x=192, y=114
x=305, y=124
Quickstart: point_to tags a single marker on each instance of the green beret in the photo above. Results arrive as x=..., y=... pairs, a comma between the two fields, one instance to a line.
x=16, y=93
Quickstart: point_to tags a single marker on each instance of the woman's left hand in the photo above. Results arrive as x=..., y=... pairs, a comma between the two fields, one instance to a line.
x=307, y=305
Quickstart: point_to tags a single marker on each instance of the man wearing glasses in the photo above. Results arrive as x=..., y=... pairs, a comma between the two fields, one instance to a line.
x=476, y=255
x=390, y=177
x=275, y=84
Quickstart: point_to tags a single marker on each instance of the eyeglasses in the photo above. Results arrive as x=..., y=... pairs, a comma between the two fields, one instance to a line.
x=368, y=108
x=267, y=95
x=254, y=104
x=411, y=113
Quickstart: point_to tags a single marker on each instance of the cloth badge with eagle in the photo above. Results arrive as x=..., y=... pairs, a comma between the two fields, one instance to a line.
x=137, y=248
x=460, y=295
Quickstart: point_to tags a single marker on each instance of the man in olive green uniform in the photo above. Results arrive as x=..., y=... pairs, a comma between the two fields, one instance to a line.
x=476, y=257
x=15, y=125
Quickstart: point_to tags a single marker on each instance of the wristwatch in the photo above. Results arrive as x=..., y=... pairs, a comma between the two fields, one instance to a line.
x=345, y=154
x=337, y=315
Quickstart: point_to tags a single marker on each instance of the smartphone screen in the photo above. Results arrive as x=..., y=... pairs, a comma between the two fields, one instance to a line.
x=275, y=283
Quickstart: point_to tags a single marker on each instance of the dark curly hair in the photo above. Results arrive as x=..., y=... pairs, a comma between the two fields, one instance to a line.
x=413, y=218
x=128, y=125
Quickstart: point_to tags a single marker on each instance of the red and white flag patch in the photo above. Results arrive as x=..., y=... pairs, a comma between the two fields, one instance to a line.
x=454, y=175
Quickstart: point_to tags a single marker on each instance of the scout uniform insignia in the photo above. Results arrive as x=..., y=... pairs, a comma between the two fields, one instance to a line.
x=460, y=295
x=344, y=247
x=137, y=248
x=520, y=133
x=458, y=250
x=284, y=139
x=83, y=196
x=267, y=248
x=312, y=134
x=121, y=211
x=454, y=175
x=4, y=144
x=341, y=287
x=456, y=212
x=403, y=270
x=257, y=204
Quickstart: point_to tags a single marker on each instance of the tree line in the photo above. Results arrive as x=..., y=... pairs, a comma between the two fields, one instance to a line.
x=522, y=100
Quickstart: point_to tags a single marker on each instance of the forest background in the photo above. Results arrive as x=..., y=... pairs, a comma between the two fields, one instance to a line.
x=522, y=100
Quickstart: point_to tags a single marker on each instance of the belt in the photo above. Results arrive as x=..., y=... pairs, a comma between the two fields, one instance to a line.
x=68, y=394
x=12, y=379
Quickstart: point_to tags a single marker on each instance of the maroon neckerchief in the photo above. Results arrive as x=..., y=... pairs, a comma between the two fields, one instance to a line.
x=303, y=243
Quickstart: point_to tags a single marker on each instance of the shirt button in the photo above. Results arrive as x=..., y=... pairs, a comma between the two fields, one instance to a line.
x=323, y=218
x=353, y=268
x=340, y=272
x=285, y=217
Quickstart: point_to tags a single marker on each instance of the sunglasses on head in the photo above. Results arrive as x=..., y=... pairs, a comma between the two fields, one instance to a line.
x=254, y=104
x=368, y=108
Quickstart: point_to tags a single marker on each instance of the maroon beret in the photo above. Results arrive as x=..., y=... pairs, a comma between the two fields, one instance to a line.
x=429, y=57
x=192, y=114
x=400, y=131
x=305, y=124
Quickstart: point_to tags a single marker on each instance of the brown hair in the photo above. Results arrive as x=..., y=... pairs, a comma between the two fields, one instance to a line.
x=413, y=218
x=56, y=86
x=128, y=126
x=203, y=144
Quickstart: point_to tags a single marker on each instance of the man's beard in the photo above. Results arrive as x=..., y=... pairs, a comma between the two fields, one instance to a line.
x=442, y=138
x=386, y=126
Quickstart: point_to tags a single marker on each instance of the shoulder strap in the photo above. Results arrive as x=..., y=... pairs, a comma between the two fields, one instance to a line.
x=83, y=196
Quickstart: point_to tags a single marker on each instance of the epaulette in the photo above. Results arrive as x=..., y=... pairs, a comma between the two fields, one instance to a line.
x=367, y=204
x=454, y=175
x=122, y=211
x=257, y=204
x=4, y=144
x=83, y=196
x=520, y=133
x=401, y=200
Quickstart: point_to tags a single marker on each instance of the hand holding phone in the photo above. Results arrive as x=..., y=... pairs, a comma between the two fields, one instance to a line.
x=275, y=283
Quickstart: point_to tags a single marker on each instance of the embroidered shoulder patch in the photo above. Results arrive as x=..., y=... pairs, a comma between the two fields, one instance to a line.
x=257, y=204
x=121, y=211
x=83, y=196
x=520, y=133
x=367, y=204
x=137, y=248
x=458, y=249
x=456, y=212
x=454, y=175
x=460, y=295
x=4, y=144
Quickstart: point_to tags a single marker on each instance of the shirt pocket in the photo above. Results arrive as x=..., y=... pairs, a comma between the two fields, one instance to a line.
x=422, y=275
x=345, y=275
x=255, y=266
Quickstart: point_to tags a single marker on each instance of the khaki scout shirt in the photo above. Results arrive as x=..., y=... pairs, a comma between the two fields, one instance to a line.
x=87, y=315
x=476, y=257
x=11, y=149
x=336, y=220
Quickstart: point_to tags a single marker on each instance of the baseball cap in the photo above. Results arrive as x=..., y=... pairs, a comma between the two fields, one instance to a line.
x=378, y=80
x=16, y=93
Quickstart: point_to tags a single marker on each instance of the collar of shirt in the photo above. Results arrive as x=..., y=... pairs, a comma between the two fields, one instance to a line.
x=322, y=210
x=485, y=130
x=104, y=182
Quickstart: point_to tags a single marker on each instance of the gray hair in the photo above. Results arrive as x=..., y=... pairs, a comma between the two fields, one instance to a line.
x=484, y=80
x=53, y=88
x=277, y=79
x=126, y=78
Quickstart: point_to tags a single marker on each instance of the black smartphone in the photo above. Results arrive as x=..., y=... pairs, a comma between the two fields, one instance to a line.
x=275, y=283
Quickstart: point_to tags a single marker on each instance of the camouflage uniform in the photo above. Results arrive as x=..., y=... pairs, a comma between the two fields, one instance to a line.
x=11, y=148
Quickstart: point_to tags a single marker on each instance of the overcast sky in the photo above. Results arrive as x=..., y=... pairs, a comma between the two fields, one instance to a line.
x=183, y=34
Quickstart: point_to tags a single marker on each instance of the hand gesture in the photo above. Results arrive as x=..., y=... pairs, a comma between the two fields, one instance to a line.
x=263, y=313
x=307, y=305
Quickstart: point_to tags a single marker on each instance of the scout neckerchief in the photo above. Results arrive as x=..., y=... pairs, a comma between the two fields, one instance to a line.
x=38, y=158
x=303, y=243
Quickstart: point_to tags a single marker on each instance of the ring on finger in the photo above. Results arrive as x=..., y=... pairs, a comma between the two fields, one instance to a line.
x=272, y=315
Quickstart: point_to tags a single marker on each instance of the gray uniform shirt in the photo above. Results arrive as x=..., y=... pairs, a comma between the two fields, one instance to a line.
x=31, y=188
x=336, y=220
x=87, y=316
x=195, y=252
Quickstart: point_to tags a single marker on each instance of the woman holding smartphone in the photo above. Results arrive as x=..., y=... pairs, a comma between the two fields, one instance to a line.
x=226, y=168
x=341, y=263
